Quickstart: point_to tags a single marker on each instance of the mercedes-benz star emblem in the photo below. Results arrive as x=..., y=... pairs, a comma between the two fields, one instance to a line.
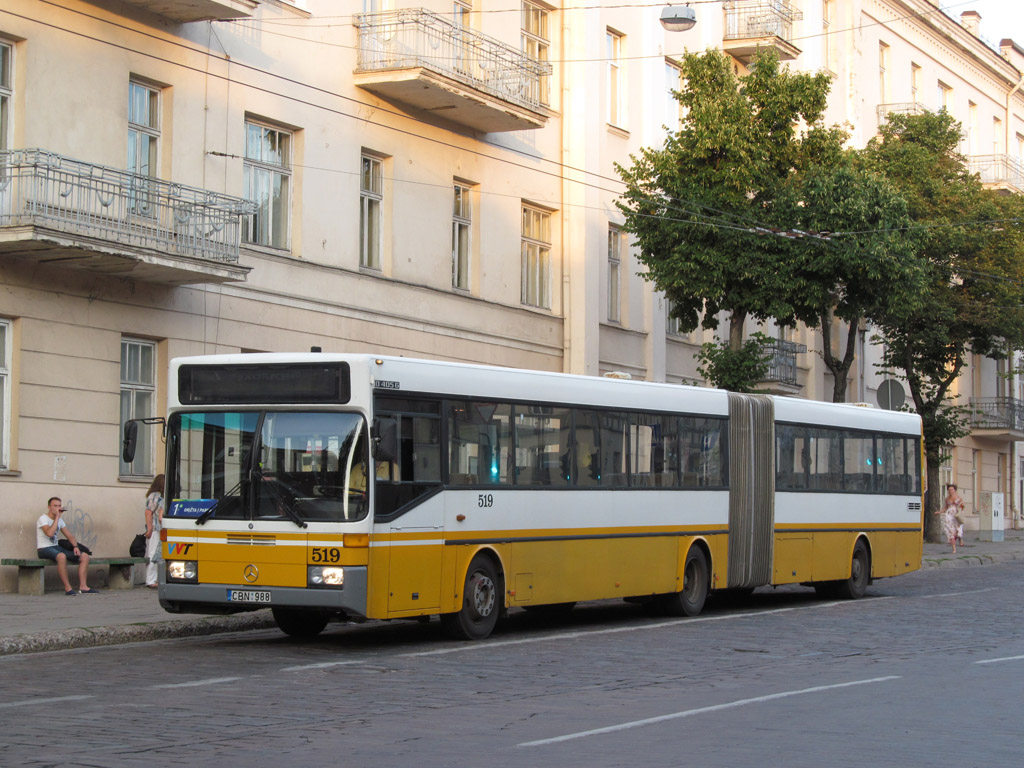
x=251, y=573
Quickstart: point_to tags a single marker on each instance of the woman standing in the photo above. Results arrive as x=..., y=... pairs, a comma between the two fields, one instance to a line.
x=154, y=522
x=951, y=508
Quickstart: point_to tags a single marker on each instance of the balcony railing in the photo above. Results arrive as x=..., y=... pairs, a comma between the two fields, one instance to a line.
x=412, y=37
x=759, y=18
x=44, y=189
x=998, y=170
x=999, y=413
x=782, y=361
x=900, y=108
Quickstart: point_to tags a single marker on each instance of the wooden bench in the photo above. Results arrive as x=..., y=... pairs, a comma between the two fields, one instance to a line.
x=32, y=576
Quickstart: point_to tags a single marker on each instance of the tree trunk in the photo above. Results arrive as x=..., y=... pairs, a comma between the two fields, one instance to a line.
x=933, y=527
x=737, y=320
x=839, y=368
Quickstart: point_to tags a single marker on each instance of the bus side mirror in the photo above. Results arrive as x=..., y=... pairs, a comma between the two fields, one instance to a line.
x=384, y=434
x=131, y=437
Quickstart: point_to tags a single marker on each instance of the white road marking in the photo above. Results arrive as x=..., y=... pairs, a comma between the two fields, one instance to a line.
x=31, y=702
x=197, y=683
x=996, y=661
x=702, y=710
x=958, y=594
x=322, y=665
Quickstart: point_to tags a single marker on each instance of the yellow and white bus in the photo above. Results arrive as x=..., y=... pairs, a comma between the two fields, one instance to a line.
x=334, y=485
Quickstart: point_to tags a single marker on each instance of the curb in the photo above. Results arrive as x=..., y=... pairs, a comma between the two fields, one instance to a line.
x=133, y=633
x=962, y=561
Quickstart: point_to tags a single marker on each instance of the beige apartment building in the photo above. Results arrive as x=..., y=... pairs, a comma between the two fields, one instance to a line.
x=436, y=179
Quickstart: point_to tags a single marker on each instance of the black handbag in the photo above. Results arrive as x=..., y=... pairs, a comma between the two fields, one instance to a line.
x=65, y=544
x=138, y=547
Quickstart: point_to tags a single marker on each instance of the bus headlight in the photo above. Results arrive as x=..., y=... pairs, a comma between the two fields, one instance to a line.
x=182, y=570
x=327, y=576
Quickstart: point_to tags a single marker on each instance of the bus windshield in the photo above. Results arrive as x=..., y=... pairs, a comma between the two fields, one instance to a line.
x=300, y=466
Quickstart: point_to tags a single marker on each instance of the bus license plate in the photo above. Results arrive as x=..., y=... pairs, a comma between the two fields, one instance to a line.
x=248, y=596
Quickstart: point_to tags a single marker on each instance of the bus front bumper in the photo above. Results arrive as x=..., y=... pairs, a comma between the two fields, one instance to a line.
x=176, y=597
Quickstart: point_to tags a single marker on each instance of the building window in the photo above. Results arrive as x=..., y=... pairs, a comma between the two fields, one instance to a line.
x=138, y=401
x=945, y=96
x=972, y=128
x=267, y=180
x=883, y=73
x=671, y=323
x=826, y=34
x=915, y=82
x=5, y=393
x=143, y=142
x=613, y=54
x=997, y=136
x=461, y=10
x=614, y=274
x=462, y=224
x=536, y=45
x=536, y=254
x=6, y=93
x=673, y=83
x=371, y=195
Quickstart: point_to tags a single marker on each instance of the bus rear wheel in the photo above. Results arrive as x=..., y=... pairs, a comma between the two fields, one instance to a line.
x=690, y=602
x=299, y=623
x=854, y=587
x=480, y=603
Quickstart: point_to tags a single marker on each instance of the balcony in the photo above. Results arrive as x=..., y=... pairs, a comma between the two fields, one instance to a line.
x=781, y=378
x=997, y=418
x=1000, y=172
x=751, y=25
x=899, y=108
x=197, y=10
x=63, y=212
x=419, y=59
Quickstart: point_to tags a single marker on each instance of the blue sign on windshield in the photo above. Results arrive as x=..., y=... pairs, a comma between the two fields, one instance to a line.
x=190, y=507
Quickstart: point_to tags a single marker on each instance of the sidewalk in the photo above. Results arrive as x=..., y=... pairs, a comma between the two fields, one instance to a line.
x=53, y=621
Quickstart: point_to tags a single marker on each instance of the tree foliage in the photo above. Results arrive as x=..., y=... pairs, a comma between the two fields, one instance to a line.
x=703, y=207
x=970, y=242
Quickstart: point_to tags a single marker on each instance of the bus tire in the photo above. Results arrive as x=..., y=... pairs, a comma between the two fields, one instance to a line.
x=298, y=623
x=854, y=587
x=481, y=603
x=690, y=602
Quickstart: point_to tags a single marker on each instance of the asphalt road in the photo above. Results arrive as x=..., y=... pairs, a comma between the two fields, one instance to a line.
x=927, y=670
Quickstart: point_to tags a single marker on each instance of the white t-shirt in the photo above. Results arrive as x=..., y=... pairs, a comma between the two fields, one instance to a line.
x=45, y=521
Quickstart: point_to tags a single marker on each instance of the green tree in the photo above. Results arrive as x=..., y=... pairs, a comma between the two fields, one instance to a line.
x=864, y=266
x=970, y=242
x=703, y=207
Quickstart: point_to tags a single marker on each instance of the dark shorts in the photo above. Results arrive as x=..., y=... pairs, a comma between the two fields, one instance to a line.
x=50, y=553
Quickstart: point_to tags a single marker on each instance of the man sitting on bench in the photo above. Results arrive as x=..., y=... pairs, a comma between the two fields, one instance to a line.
x=48, y=526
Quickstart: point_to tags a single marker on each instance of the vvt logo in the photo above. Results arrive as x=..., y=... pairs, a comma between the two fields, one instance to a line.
x=178, y=549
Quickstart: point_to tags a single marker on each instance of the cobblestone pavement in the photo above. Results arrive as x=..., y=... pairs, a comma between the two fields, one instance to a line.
x=926, y=670
x=54, y=621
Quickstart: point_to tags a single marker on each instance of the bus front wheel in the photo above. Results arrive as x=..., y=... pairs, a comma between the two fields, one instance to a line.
x=298, y=623
x=690, y=602
x=480, y=603
x=854, y=587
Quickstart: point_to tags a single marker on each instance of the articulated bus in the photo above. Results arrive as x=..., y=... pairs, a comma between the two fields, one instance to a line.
x=336, y=486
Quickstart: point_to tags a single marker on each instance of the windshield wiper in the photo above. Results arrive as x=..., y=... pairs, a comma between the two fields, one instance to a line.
x=284, y=504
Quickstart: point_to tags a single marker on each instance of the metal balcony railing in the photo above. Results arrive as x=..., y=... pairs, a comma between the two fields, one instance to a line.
x=782, y=361
x=900, y=108
x=998, y=169
x=997, y=413
x=413, y=37
x=40, y=188
x=760, y=18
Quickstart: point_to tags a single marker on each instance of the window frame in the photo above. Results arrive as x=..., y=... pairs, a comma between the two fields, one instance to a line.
x=614, y=308
x=613, y=94
x=535, y=251
x=133, y=388
x=536, y=43
x=462, y=236
x=371, y=213
x=6, y=93
x=262, y=169
x=6, y=414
